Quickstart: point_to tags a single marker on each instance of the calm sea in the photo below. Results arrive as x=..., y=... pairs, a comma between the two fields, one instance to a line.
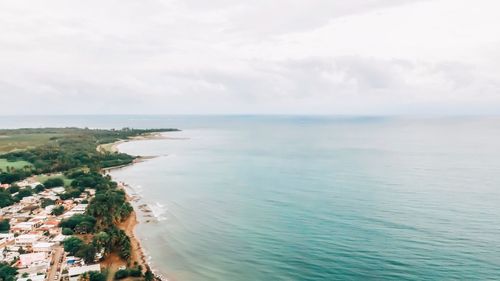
x=240, y=198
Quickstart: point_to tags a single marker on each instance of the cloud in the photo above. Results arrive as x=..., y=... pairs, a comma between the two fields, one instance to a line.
x=324, y=56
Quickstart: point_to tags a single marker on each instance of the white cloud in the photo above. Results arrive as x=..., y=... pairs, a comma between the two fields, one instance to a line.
x=322, y=56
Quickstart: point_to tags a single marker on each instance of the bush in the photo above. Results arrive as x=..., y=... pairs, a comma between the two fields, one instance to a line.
x=67, y=231
x=39, y=188
x=135, y=272
x=96, y=276
x=4, y=225
x=53, y=182
x=58, y=210
x=122, y=273
x=25, y=192
x=47, y=202
x=13, y=189
x=73, y=244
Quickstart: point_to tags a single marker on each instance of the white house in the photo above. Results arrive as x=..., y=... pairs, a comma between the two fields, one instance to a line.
x=75, y=272
x=32, y=259
x=26, y=240
x=42, y=247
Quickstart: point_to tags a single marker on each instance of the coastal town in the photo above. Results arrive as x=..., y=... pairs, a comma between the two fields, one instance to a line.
x=61, y=216
x=32, y=242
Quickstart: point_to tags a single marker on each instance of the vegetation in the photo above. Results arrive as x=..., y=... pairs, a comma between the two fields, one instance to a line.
x=47, y=202
x=95, y=276
x=80, y=224
x=7, y=273
x=58, y=210
x=53, y=182
x=132, y=272
x=5, y=198
x=4, y=225
x=72, y=154
x=6, y=165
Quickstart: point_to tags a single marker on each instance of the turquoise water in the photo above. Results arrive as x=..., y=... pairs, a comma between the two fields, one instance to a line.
x=323, y=199
x=316, y=198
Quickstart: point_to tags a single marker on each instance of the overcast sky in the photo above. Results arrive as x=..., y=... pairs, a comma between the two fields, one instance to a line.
x=260, y=56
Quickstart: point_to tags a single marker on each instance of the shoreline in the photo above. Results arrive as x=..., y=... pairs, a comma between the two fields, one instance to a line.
x=137, y=251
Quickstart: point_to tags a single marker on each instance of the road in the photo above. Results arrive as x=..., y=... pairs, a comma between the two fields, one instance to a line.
x=55, y=268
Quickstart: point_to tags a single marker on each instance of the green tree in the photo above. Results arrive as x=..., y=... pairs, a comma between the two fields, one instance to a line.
x=96, y=276
x=4, y=225
x=58, y=210
x=53, y=182
x=73, y=244
x=7, y=273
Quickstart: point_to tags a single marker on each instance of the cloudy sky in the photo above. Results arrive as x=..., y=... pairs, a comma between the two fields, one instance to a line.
x=261, y=56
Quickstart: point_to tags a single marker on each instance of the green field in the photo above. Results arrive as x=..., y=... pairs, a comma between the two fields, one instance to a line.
x=17, y=141
x=43, y=178
x=18, y=165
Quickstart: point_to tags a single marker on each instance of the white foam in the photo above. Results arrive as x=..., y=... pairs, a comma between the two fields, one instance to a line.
x=159, y=210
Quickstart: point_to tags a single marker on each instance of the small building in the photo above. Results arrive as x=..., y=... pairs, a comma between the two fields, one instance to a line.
x=31, y=259
x=26, y=240
x=33, y=277
x=42, y=247
x=75, y=272
x=58, y=190
x=29, y=200
x=23, y=226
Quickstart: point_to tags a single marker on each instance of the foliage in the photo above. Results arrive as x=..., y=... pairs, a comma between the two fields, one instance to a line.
x=7, y=273
x=39, y=188
x=47, y=202
x=58, y=210
x=25, y=192
x=53, y=182
x=109, y=207
x=13, y=189
x=96, y=276
x=79, y=223
x=73, y=244
x=122, y=273
x=5, y=199
x=4, y=225
x=148, y=276
x=67, y=231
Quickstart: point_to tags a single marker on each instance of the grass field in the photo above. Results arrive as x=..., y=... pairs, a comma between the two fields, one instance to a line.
x=17, y=164
x=43, y=178
x=23, y=141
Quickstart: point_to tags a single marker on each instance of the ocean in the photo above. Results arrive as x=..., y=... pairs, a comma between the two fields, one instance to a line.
x=240, y=198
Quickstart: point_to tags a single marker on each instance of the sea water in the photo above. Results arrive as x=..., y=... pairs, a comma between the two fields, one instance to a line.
x=237, y=198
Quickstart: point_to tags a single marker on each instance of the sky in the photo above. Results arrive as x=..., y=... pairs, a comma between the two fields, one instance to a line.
x=356, y=57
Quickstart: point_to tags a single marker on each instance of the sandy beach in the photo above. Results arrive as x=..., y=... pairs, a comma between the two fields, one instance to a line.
x=113, y=262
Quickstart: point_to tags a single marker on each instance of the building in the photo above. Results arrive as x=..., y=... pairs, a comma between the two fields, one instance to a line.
x=26, y=240
x=75, y=272
x=42, y=247
x=32, y=259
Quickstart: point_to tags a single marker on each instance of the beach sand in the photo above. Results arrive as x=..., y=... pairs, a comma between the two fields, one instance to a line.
x=113, y=262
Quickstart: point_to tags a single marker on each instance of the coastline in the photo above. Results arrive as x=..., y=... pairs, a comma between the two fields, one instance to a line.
x=138, y=254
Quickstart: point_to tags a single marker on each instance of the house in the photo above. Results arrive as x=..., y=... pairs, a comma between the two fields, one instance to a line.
x=58, y=190
x=29, y=200
x=59, y=238
x=76, y=210
x=26, y=260
x=26, y=240
x=42, y=247
x=33, y=277
x=75, y=272
x=23, y=227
